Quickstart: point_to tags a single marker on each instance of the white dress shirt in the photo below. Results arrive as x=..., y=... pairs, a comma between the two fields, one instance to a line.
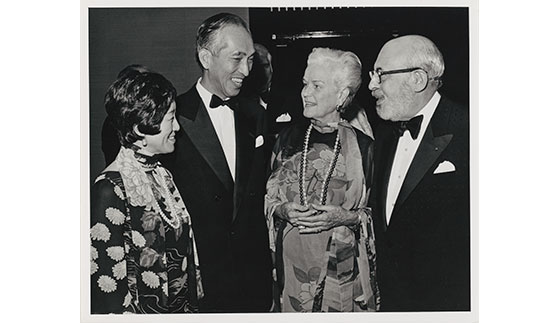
x=406, y=149
x=223, y=120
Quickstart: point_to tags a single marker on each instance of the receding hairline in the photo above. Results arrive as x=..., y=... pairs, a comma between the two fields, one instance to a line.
x=219, y=43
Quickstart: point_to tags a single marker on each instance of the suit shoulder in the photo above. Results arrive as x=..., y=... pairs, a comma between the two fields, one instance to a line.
x=251, y=107
x=188, y=102
x=454, y=115
x=457, y=111
x=105, y=184
x=192, y=92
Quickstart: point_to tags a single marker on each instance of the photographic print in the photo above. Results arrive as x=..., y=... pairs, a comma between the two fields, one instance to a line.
x=280, y=163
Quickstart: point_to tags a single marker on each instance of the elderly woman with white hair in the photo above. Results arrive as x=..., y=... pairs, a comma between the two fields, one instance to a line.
x=320, y=228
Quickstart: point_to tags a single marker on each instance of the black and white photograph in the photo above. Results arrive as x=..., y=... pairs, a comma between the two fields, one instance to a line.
x=280, y=163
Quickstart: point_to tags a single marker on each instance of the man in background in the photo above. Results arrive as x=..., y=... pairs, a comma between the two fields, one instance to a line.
x=282, y=108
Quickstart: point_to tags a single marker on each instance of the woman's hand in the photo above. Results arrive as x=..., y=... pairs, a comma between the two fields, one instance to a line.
x=327, y=217
x=292, y=212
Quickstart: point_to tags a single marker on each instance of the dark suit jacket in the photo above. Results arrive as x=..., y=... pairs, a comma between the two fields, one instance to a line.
x=424, y=252
x=228, y=220
x=280, y=101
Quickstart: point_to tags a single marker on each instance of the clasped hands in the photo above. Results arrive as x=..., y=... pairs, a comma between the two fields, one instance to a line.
x=316, y=218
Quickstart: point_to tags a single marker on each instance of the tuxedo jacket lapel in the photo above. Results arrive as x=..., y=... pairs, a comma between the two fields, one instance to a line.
x=385, y=147
x=196, y=123
x=244, y=147
x=430, y=148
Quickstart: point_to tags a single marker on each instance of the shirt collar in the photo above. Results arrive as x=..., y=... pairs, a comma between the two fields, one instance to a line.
x=205, y=95
x=428, y=110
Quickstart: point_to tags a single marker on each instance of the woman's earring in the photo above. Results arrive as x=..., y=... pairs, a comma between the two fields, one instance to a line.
x=339, y=108
x=144, y=142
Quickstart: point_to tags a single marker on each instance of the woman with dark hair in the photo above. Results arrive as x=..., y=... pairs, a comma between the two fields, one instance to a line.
x=320, y=228
x=143, y=252
x=109, y=138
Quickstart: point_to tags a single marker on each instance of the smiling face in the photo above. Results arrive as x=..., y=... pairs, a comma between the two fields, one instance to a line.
x=164, y=141
x=320, y=94
x=227, y=67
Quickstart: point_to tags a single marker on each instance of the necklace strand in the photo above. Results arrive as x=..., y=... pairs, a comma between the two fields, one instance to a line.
x=174, y=221
x=303, y=169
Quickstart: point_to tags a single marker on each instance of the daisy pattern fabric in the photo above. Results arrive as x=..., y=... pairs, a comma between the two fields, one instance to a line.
x=141, y=263
x=333, y=270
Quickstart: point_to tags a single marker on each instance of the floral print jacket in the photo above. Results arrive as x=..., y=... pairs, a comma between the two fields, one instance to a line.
x=139, y=263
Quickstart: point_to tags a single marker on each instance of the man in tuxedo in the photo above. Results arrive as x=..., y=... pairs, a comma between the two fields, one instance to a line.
x=420, y=199
x=281, y=107
x=219, y=169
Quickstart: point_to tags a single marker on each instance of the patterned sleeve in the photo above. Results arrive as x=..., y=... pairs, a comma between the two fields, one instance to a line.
x=273, y=195
x=367, y=259
x=109, y=291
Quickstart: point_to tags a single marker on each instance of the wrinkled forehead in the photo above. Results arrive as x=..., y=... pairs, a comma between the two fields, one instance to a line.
x=319, y=71
x=235, y=39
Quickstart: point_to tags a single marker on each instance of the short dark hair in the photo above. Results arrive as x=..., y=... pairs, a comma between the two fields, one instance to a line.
x=133, y=68
x=206, y=35
x=138, y=99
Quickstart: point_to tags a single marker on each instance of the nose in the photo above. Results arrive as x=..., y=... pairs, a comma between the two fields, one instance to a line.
x=373, y=83
x=304, y=91
x=176, y=125
x=245, y=68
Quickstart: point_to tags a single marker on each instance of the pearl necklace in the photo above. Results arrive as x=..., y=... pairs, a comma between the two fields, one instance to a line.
x=174, y=221
x=139, y=188
x=303, y=169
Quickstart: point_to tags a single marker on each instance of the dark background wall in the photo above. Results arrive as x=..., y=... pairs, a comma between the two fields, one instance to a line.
x=291, y=34
x=163, y=39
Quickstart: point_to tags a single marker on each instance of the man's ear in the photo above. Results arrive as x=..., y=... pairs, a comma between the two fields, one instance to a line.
x=205, y=58
x=420, y=80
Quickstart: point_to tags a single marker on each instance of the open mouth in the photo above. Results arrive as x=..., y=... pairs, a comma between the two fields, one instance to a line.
x=379, y=99
x=308, y=104
x=237, y=81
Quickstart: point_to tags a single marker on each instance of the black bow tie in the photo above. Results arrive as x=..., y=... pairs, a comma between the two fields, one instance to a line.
x=412, y=125
x=216, y=102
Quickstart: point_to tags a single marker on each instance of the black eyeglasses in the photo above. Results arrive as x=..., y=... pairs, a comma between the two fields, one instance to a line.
x=378, y=72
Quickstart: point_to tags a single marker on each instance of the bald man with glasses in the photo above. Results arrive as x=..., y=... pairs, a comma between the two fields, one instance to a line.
x=420, y=197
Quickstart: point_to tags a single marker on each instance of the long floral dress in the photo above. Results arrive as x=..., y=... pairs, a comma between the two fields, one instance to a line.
x=332, y=270
x=139, y=262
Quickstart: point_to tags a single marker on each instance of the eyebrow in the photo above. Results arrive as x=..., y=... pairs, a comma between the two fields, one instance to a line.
x=240, y=53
